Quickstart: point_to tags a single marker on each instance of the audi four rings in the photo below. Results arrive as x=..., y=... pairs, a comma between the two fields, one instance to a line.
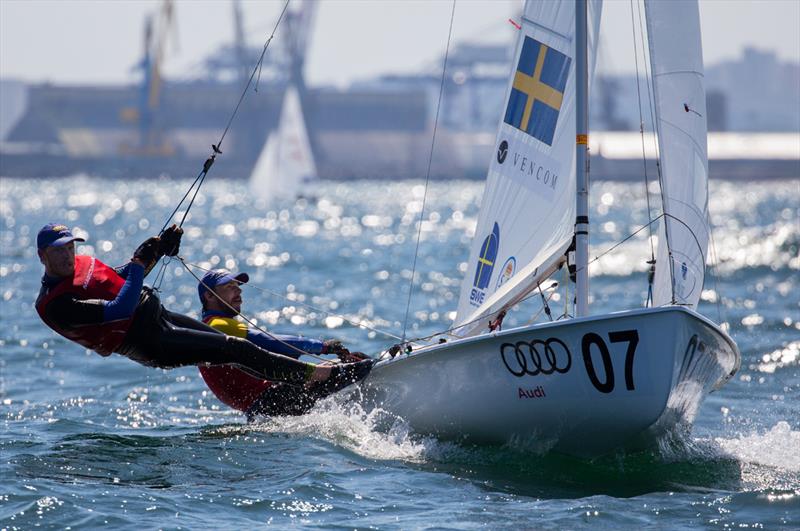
x=527, y=358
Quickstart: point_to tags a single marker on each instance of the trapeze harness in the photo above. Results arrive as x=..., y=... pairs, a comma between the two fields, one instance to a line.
x=234, y=387
x=92, y=279
x=245, y=392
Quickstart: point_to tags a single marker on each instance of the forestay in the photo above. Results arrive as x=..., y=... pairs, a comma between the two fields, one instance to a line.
x=677, y=68
x=286, y=161
x=528, y=211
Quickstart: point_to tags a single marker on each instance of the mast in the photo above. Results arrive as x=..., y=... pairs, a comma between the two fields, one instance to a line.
x=581, y=162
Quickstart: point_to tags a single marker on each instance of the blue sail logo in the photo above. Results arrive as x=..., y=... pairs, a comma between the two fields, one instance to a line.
x=538, y=90
x=485, y=266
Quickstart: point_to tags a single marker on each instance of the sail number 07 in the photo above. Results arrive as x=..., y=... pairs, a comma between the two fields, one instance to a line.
x=623, y=336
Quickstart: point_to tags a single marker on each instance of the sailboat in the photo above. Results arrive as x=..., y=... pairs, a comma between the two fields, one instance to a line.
x=286, y=163
x=588, y=384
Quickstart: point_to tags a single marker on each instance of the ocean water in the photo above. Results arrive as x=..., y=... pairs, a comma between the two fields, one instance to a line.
x=89, y=441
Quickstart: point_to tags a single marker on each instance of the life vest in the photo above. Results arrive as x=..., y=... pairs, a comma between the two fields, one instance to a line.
x=233, y=387
x=92, y=279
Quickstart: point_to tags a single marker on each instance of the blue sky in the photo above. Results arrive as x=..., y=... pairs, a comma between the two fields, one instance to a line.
x=92, y=41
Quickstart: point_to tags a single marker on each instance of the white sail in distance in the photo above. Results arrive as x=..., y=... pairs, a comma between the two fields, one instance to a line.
x=527, y=215
x=286, y=162
x=676, y=59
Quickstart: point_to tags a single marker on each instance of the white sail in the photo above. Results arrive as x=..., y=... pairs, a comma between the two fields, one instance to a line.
x=528, y=210
x=545, y=383
x=286, y=161
x=677, y=68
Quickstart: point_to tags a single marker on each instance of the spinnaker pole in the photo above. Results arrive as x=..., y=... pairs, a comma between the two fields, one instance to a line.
x=581, y=161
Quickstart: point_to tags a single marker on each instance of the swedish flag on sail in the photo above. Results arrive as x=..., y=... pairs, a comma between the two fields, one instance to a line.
x=485, y=266
x=538, y=90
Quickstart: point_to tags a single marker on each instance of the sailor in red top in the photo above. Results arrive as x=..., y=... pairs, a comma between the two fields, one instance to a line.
x=108, y=310
x=221, y=297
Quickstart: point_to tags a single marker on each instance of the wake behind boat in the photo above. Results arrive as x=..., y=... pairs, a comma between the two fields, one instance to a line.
x=590, y=384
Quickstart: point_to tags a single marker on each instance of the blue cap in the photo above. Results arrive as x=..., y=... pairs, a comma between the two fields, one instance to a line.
x=219, y=277
x=55, y=235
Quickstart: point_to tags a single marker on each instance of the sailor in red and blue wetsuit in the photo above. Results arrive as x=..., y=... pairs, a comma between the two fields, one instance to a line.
x=221, y=298
x=108, y=310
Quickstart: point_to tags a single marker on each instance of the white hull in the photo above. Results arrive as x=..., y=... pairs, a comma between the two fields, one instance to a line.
x=537, y=386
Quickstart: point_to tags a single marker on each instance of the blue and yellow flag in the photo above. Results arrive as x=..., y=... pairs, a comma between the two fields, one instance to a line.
x=485, y=266
x=538, y=90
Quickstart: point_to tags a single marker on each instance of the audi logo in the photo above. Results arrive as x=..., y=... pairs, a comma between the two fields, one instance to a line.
x=536, y=357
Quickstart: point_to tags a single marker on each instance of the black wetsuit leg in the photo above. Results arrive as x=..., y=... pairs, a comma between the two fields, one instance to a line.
x=282, y=400
x=159, y=338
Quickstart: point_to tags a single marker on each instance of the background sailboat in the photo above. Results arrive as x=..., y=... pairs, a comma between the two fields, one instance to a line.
x=593, y=383
x=286, y=162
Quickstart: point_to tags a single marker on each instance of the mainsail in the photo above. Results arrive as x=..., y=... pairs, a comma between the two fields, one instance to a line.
x=528, y=211
x=677, y=68
x=286, y=161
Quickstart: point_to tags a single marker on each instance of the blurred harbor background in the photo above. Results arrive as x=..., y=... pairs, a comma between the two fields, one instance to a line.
x=108, y=109
x=168, y=99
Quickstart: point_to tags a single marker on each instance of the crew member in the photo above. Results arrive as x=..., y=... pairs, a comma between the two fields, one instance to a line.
x=108, y=310
x=221, y=299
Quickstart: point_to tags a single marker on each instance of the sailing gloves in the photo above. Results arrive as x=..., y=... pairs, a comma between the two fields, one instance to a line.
x=333, y=346
x=342, y=376
x=170, y=241
x=152, y=249
x=147, y=253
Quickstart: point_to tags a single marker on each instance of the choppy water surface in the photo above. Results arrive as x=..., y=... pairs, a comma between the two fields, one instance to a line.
x=88, y=441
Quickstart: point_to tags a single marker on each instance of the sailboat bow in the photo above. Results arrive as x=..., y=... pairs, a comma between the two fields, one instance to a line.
x=584, y=386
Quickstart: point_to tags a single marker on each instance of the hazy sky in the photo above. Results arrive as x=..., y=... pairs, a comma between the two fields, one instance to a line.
x=95, y=41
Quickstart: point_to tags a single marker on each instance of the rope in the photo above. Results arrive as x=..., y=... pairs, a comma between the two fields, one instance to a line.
x=217, y=148
x=428, y=173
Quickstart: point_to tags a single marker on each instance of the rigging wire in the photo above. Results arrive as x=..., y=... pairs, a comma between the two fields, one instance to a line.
x=537, y=314
x=535, y=294
x=651, y=273
x=651, y=105
x=217, y=148
x=357, y=324
x=714, y=272
x=246, y=319
x=428, y=173
x=161, y=273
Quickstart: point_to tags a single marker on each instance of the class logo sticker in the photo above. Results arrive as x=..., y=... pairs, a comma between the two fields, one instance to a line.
x=538, y=90
x=684, y=280
x=507, y=271
x=485, y=266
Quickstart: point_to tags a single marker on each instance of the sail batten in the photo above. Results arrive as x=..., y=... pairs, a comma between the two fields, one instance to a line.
x=527, y=216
